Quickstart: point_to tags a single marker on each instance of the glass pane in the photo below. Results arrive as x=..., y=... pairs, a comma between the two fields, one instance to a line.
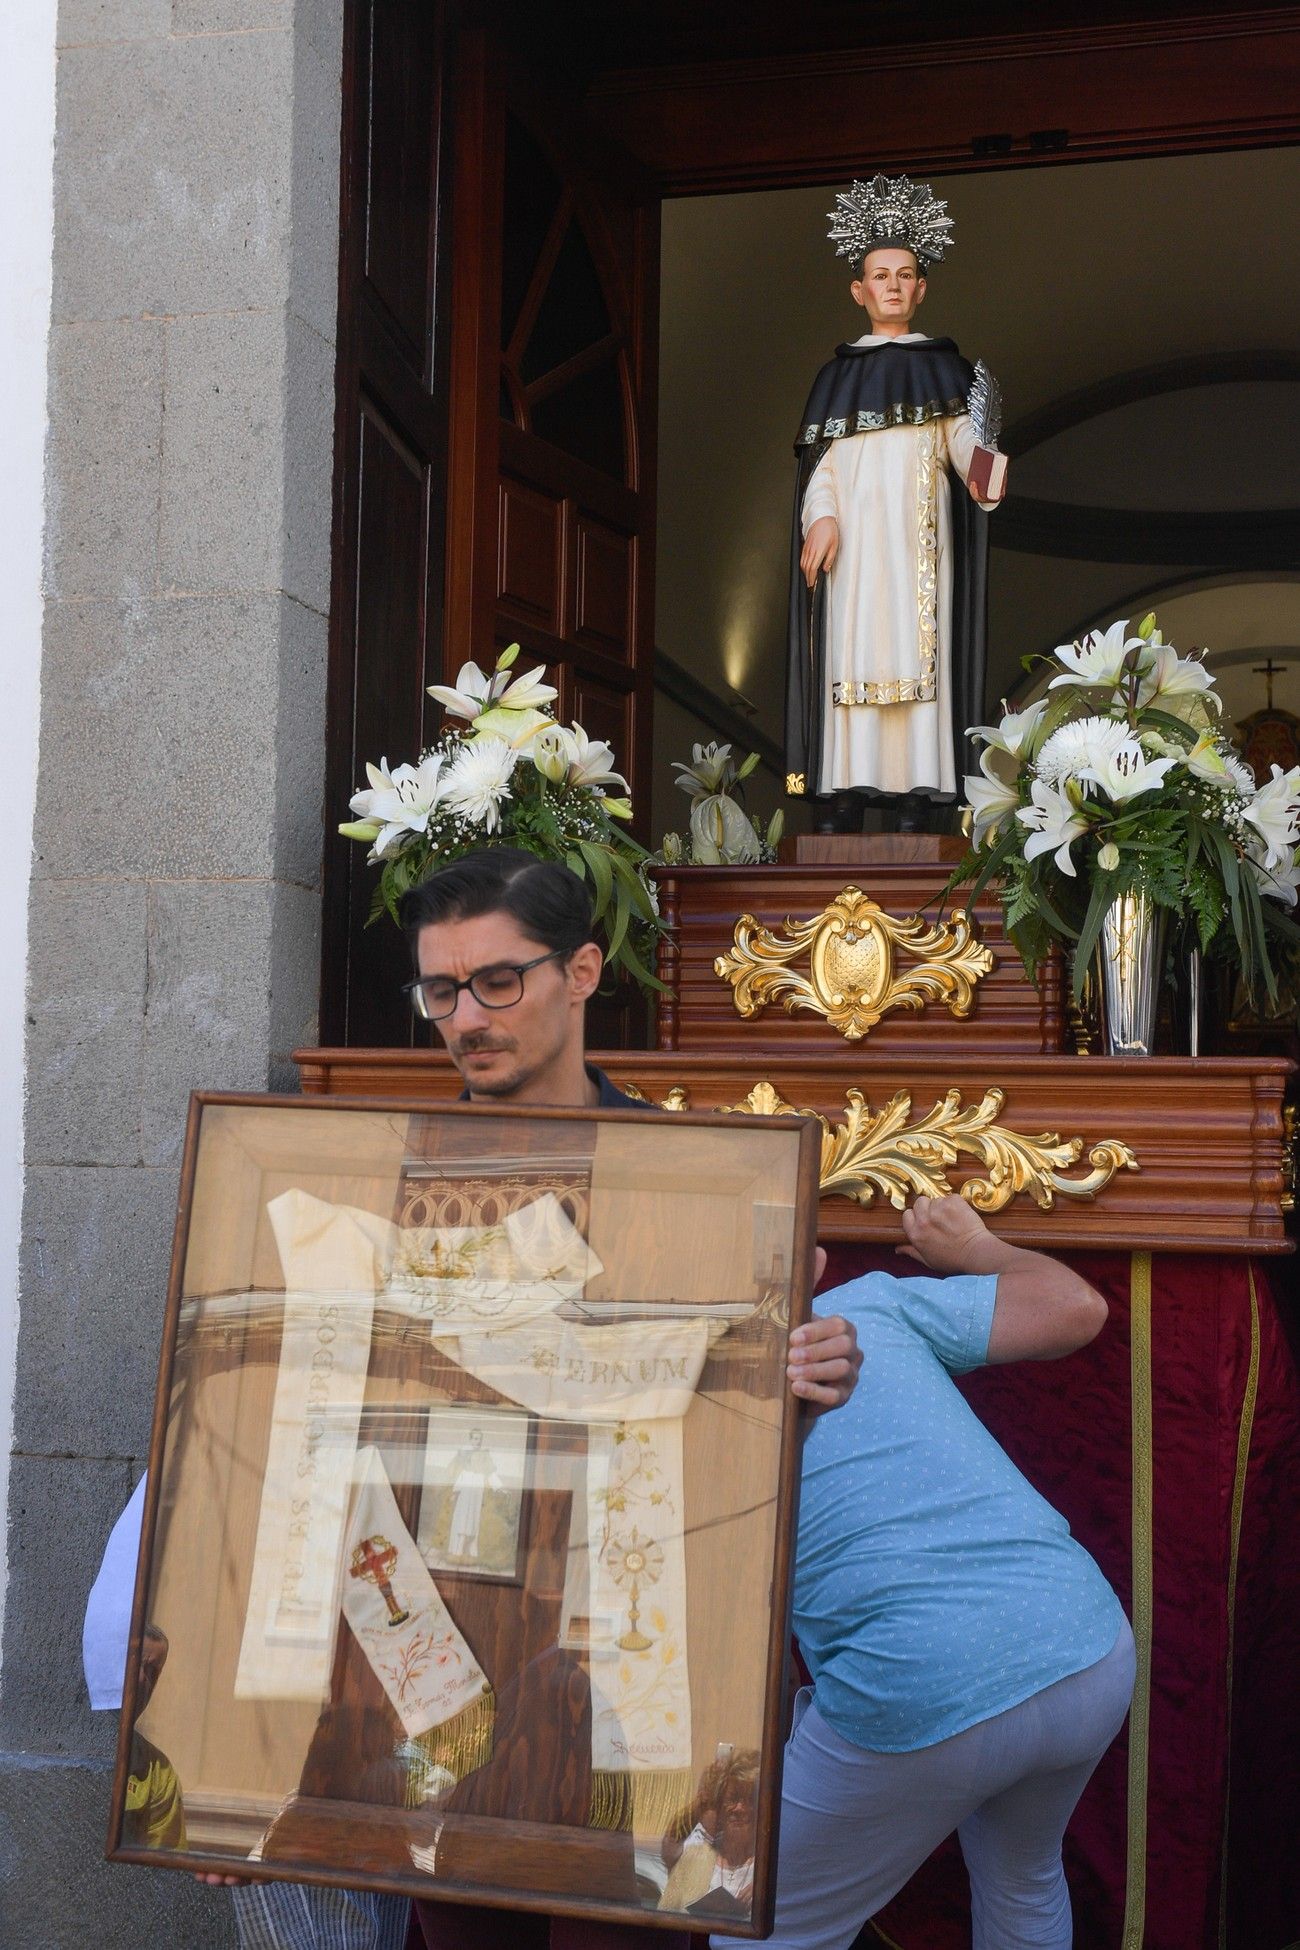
x=572, y=314
x=586, y=420
x=531, y=196
x=472, y=1418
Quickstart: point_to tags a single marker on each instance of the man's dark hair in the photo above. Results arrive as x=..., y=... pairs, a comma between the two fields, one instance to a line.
x=550, y=903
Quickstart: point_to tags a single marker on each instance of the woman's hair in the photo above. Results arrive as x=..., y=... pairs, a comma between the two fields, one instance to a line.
x=550, y=903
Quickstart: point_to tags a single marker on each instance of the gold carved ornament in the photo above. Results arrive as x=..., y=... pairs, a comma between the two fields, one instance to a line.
x=887, y=1153
x=853, y=975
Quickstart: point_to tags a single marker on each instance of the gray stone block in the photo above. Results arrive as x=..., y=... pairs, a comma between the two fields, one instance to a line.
x=61, y=1510
x=84, y=21
x=177, y=702
x=93, y=1281
x=301, y=814
x=314, y=171
x=172, y=185
x=295, y=980
x=208, y=1011
x=101, y=501
x=308, y=466
x=85, y=1012
x=229, y=16
x=58, y=1893
x=223, y=463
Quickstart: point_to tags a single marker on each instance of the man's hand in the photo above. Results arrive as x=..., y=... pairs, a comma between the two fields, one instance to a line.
x=824, y=1357
x=821, y=545
x=950, y=1236
x=215, y=1881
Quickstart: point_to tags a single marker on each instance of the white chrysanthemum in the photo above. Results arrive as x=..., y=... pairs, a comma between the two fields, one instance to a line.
x=479, y=780
x=401, y=800
x=1074, y=747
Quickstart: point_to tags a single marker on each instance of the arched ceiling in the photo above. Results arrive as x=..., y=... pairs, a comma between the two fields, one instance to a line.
x=1146, y=333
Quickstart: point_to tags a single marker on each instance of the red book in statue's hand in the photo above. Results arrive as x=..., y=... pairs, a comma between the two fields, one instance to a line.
x=988, y=474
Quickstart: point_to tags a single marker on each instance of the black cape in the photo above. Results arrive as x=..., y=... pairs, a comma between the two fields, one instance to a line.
x=860, y=390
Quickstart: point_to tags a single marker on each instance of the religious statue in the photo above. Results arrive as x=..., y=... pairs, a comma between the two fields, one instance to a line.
x=888, y=563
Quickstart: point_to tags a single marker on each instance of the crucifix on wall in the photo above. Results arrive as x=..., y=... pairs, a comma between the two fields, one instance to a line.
x=1272, y=736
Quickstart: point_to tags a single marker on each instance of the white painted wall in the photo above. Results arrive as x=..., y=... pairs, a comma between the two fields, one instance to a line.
x=26, y=251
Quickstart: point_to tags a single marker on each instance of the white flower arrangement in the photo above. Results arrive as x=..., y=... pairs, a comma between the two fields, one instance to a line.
x=1118, y=778
x=722, y=833
x=511, y=775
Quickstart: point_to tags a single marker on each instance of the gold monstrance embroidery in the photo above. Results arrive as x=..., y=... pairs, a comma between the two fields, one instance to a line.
x=638, y=1561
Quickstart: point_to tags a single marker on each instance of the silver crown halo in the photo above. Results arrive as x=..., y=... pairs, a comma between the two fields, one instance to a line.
x=890, y=211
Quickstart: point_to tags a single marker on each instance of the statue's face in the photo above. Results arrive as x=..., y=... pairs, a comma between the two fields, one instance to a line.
x=890, y=288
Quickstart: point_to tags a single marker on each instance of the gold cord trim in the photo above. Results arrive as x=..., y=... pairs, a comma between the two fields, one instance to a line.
x=1139, y=1722
x=459, y=1746
x=1245, y=1430
x=648, y=1802
x=922, y=688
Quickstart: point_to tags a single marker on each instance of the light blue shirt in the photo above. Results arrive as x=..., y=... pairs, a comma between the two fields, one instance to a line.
x=933, y=1586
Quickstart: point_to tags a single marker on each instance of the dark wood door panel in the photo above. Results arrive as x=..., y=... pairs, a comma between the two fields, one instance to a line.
x=530, y=555
x=604, y=579
x=399, y=187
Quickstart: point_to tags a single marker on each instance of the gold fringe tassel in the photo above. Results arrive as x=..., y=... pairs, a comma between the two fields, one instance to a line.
x=648, y=1801
x=457, y=1747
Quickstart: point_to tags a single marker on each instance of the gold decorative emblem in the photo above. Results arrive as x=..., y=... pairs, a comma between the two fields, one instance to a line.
x=853, y=978
x=887, y=1152
x=796, y=784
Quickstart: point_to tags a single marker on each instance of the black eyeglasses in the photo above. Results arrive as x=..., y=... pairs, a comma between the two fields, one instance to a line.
x=435, y=996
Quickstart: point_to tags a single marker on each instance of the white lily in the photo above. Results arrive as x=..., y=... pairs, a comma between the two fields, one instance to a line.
x=710, y=770
x=550, y=753
x=1277, y=883
x=1055, y=822
x=1127, y=772
x=402, y=800
x=1208, y=761
x=1169, y=677
x=1075, y=747
x=523, y=693
x=990, y=799
x=467, y=696
x=1274, y=812
x=1098, y=658
x=1015, y=730
x=591, y=761
x=1108, y=856
x=479, y=780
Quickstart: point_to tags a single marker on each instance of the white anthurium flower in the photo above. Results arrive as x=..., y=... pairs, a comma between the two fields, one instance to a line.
x=990, y=799
x=401, y=800
x=591, y=761
x=710, y=769
x=1055, y=822
x=468, y=696
x=1277, y=883
x=1073, y=748
x=1108, y=856
x=479, y=780
x=1171, y=680
x=550, y=753
x=1274, y=812
x=1098, y=658
x=518, y=728
x=1207, y=760
x=1126, y=773
x=721, y=833
x=1015, y=730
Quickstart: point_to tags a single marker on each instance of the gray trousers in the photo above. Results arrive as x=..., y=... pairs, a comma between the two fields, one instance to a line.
x=299, y=1916
x=855, y=1826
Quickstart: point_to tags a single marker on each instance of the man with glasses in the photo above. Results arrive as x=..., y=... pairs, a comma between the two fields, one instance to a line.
x=503, y=946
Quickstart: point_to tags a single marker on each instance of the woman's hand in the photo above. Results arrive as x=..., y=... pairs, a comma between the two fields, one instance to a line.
x=821, y=545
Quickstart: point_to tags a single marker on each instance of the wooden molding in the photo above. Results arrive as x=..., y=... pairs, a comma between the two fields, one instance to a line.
x=1207, y=1136
x=1205, y=81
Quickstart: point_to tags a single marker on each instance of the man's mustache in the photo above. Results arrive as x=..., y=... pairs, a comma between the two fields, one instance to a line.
x=478, y=1045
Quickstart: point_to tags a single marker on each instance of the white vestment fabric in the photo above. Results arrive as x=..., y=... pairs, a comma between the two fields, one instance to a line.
x=887, y=722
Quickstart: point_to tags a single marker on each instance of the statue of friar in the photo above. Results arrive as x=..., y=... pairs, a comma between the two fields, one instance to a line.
x=889, y=561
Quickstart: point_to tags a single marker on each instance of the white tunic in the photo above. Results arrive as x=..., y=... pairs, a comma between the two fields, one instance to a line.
x=887, y=723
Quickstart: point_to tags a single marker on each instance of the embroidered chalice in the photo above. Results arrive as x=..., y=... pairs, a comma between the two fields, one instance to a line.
x=634, y=1561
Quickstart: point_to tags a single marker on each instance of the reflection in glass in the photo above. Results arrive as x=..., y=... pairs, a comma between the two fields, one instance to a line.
x=472, y=1417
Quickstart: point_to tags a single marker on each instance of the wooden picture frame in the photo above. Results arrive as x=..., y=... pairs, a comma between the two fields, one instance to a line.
x=546, y=1718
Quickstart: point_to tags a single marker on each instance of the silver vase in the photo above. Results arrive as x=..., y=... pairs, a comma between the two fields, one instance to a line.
x=1130, y=967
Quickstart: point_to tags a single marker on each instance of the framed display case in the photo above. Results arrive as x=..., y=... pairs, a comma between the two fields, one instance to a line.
x=466, y=1552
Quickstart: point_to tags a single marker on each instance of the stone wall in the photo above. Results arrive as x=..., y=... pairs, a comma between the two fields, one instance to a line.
x=175, y=896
